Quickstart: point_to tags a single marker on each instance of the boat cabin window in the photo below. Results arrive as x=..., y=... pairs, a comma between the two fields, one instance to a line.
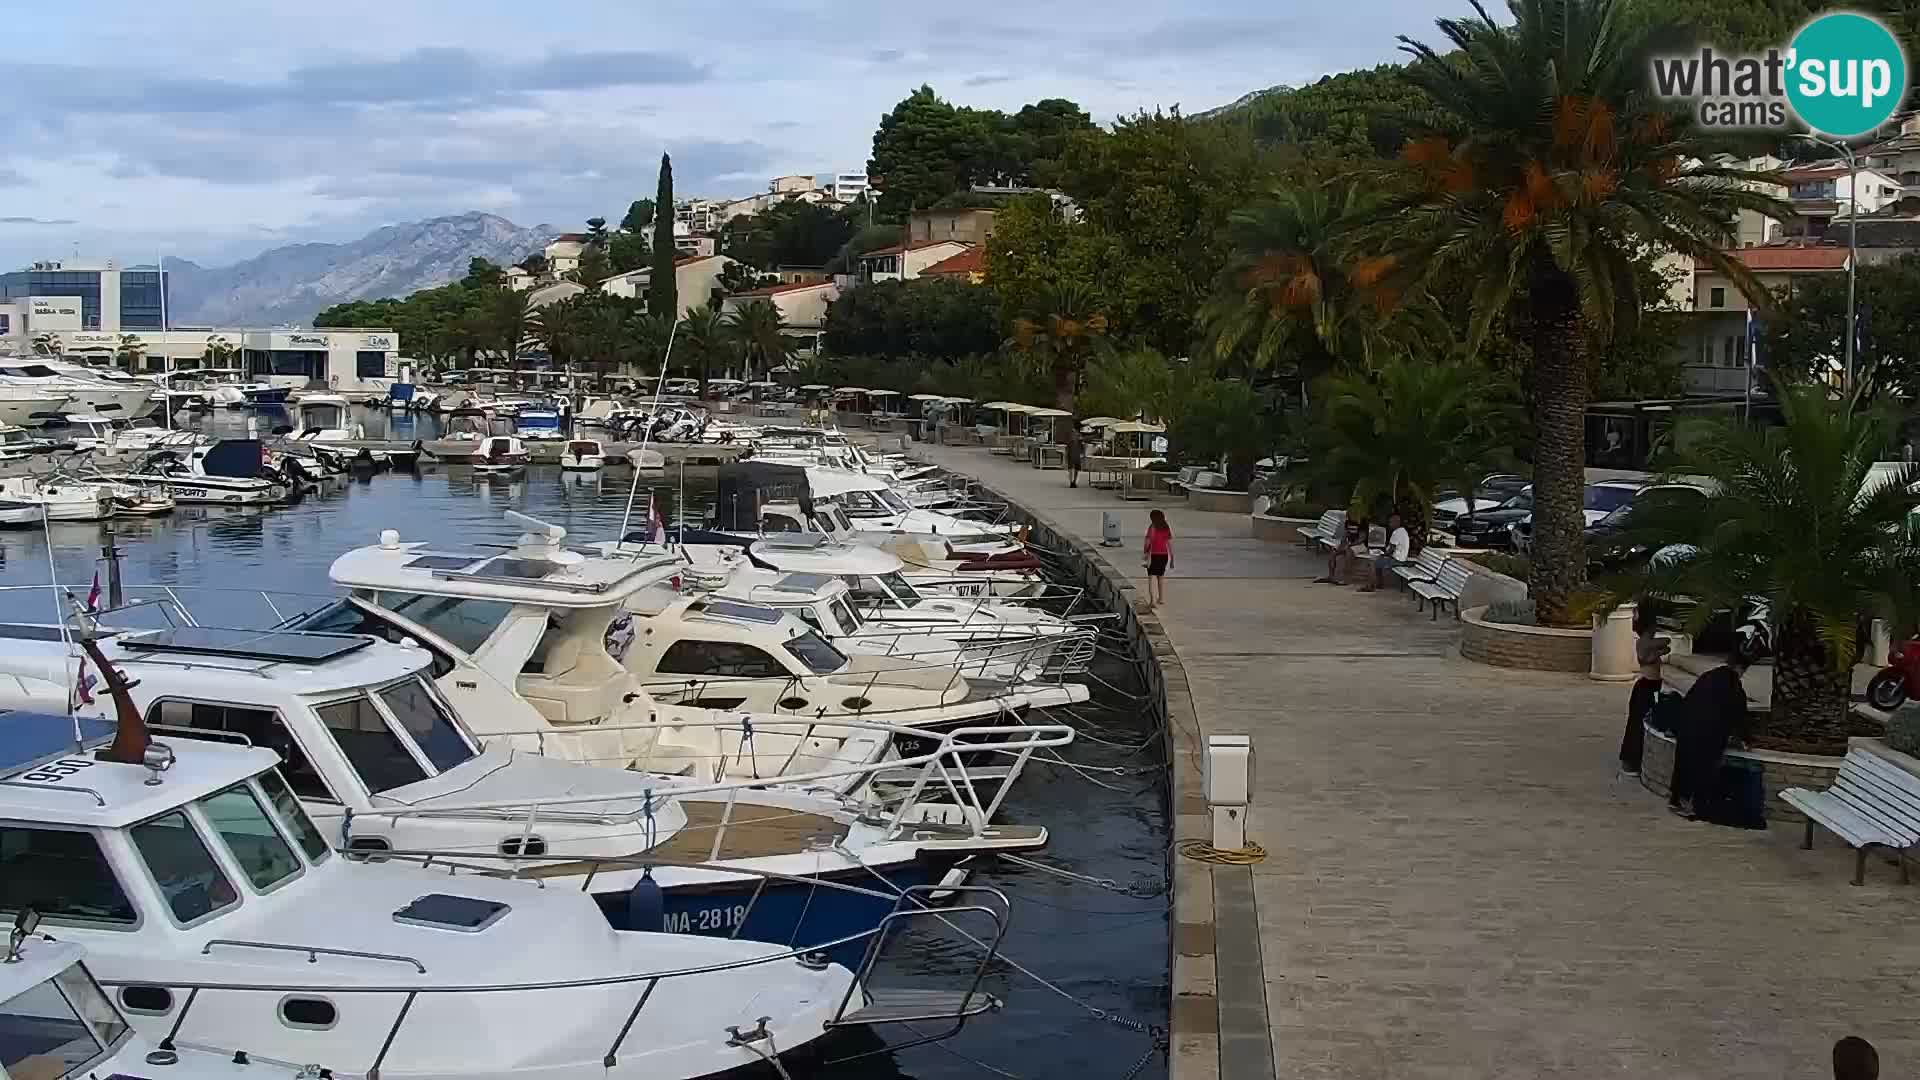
x=892, y=501
x=813, y=650
x=346, y=617
x=464, y=623
x=262, y=727
x=190, y=881
x=722, y=658
x=62, y=874
x=294, y=817
x=423, y=717
x=845, y=615
x=59, y=1028
x=370, y=746
x=778, y=523
x=860, y=502
x=892, y=588
x=257, y=847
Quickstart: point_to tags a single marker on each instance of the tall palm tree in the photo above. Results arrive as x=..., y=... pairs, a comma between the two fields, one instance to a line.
x=561, y=328
x=1399, y=434
x=1063, y=331
x=761, y=330
x=128, y=354
x=649, y=337
x=704, y=341
x=509, y=314
x=1557, y=172
x=219, y=351
x=1290, y=286
x=1799, y=515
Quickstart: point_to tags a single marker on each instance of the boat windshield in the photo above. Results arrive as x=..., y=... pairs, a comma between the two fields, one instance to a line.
x=242, y=824
x=60, y=1028
x=190, y=881
x=465, y=622
x=427, y=721
x=814, y=651
x=892, y=501
x=294, y=816
x=360, y=617
x=896, y=584
x=846, y=614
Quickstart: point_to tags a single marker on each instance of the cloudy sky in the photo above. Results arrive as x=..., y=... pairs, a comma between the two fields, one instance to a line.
x=213, y=129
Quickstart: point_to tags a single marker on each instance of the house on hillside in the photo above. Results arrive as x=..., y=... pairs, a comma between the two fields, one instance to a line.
x=969, y=266
x=1825, y=193
x=802, y=306
x=969, y=226
x=904, y=262
x=563, y=253
x=1714, y=347
x=695, y=278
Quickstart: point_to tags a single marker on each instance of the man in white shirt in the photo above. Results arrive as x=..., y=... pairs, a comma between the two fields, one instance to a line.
x=1399, y=548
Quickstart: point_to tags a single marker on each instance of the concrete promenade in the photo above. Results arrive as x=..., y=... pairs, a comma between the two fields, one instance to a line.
x=1456, y=885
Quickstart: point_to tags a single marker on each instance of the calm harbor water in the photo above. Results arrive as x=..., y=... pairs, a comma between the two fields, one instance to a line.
x=1107, y=819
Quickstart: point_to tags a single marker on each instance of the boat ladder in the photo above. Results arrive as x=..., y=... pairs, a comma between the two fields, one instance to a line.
x=944, y=904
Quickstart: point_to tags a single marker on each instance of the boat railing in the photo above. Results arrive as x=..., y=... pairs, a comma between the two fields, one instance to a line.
x=313, y=951
x=171, y=603
x=943, y=768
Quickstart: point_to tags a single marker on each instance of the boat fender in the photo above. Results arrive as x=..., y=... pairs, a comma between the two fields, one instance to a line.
x=646, y=905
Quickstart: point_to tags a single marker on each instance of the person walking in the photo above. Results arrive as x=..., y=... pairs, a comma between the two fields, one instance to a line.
x=1076, y=456
x=1715, y=711
x=1650, y=652
x=1159, y=556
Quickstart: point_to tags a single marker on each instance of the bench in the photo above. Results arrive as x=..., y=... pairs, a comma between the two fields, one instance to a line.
x=1872, y=803
x=1425, y=568
x=1445, y=588
x=1325, y=533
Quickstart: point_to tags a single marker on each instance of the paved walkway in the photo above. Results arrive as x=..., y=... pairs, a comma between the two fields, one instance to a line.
x=1457, y=886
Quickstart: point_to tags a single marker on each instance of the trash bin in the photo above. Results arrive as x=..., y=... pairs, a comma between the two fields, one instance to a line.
x=1613, y=656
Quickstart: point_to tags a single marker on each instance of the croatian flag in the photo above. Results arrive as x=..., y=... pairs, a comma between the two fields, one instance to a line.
x=83, y=686
x=93, y=594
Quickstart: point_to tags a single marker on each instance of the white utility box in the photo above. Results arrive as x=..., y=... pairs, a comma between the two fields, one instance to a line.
x=1227, y=776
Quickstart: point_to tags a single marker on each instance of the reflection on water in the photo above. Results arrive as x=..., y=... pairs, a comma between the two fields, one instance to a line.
x=1106, y=949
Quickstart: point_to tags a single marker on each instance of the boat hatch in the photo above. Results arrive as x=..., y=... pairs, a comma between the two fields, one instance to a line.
x=442, y=911
x=797, y=541
x=728, y=609
x=311, y=648
x=444, y=562
x=25, y=746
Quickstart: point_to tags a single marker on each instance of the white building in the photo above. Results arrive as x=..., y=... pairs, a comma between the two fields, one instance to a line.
x=848, y=187
x=563, y=252
x=802, y=306
x=695, y=277
x=904, y=262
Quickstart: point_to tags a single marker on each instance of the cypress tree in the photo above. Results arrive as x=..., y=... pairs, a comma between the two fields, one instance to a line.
x=662, y=298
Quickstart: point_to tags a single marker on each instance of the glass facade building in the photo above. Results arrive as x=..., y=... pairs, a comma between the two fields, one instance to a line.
x=140, y=301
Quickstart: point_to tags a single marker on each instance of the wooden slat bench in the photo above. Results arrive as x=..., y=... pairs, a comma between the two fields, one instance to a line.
x=1445, y=588
x=1325, y=533
x=1872, y=803
x=1424, y=568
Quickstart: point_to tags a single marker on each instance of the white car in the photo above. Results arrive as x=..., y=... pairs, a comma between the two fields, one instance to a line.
x=1598, y=501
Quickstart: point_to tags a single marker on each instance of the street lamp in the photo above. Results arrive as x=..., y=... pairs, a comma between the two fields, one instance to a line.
x=1853, y=248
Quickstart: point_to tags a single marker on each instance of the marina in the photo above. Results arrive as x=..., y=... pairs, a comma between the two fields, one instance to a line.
x=1026, y=771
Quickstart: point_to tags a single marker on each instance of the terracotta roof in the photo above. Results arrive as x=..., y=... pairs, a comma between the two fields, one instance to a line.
x=1777, y=259
x=895, y=249
x=772, y=290
x=971, y=261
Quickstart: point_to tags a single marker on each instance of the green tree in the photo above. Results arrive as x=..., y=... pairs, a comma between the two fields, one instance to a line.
x=1134, y=382
x=1394, y=437
x=1219, y=421
x=648, y=336
x=931, y=318
x=562, y=328
x=220, y=351
x=1353, y=116
x=760, y=330
x=594, y=268
x=535, y=264
x=1552, y=167
x=1035, y=247
x=1796, y=514
x=662, y=288
x=129, y=353
x=509, y=313
x=627, y=251
x=597, y=232
x=703, y=343
x=1807, y=340
x=926, y=148
x=483, y=274
x=639, y=215
x=1063, y=330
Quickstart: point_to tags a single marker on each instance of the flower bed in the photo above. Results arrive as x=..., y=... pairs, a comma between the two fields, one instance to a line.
x=1219, y=501
x=1531, y=648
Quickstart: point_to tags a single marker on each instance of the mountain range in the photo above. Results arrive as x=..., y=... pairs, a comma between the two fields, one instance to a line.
x=289, y=285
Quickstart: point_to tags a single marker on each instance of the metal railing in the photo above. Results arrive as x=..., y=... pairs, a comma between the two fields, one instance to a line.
x=313, y=951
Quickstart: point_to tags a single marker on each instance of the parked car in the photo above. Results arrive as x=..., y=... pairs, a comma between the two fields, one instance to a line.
x=1492, y=490
x=1598, y=501
x=1492, y=528
x=1604, y=548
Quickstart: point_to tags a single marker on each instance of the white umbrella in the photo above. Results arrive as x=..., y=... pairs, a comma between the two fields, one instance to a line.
x=884, y=393
x=1017, y=407
x=851, y=390
x=1099, y=421
x=958, y=400
x=1048, y=412
x=925, y=397
x=816, y=386
x=998, y=405
x=763, y=383
x=1134, y=425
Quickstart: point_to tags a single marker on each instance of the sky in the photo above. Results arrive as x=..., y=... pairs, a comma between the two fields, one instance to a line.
x=215, y=129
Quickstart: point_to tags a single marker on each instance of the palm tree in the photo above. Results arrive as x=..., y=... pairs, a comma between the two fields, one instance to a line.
x=1064, y=329
x=128, y=353
x=1397, y=435
x=509, y=314
x=561, y=328
x=1289, y=287
x=649, y=336
x=219, y=351
x=1558, y=172
x=703, y=340
x=761, y=331
x=1800, y=516
x=47, y=343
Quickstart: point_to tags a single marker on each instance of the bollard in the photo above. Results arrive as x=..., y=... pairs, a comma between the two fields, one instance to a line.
x=1228, y=778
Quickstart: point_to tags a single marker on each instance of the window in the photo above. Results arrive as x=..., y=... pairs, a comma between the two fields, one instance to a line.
x=151, y=1000
x=844, y=613
x=778, y=523
x=306, y=1012
x=1608, y=498
x=376, y=753
x=812, y=650
x=260, y=726
x=723, y=658
x=61, y=873
x=465, y=624
x=422, y=717
x=183, y=868
x=294, y=816
x=370, y=365
x=896, y=583
x=1726, y=351
x=892, y=502
x=1716, y=298
x=345, y=617
x=58, y=1028
x=243, y=825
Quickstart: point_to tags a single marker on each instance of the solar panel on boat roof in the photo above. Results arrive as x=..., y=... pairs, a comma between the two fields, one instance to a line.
x=29, y=739
x=511, y=567
x=30, y=632
x=728, y=609
x=795, y=540
x=443, y=562
x=805, y=582
x=249, y=644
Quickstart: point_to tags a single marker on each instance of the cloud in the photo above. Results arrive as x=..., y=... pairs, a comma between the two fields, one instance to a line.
x=36, y=221
x=886, y=56
x=13, y=178
x=985, y=79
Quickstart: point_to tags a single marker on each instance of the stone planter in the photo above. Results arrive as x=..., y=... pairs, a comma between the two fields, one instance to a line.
x=1778, y=772
x=1532, y=648
x=1219, y=501
x=1283, y=529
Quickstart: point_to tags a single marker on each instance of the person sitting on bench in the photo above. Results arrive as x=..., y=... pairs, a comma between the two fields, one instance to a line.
x=1352, y=540
x=1399, y=552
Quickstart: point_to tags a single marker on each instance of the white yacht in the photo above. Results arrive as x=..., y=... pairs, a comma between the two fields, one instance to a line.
x=324, y=418
x=219, y=915
x=30, y=499
x=28, y=406
x=83, y=388
x=16, y=444
x=230, y=472
x=88, y=431
x=583, y=455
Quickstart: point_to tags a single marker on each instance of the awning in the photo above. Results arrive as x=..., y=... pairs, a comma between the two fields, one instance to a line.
x=1135, y=425
x=1048, y=412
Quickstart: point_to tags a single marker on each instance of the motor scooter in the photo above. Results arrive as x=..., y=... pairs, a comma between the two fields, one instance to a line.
x=1899, y=680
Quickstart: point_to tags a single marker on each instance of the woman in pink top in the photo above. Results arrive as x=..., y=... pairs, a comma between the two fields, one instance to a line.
x=1159, y=556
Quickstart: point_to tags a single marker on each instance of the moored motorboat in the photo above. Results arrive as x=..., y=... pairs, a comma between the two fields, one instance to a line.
x=583, y=455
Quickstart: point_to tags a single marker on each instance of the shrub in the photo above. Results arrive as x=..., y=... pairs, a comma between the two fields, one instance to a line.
x=1512, y=612
x=1514, y=566
x=1903, y=730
